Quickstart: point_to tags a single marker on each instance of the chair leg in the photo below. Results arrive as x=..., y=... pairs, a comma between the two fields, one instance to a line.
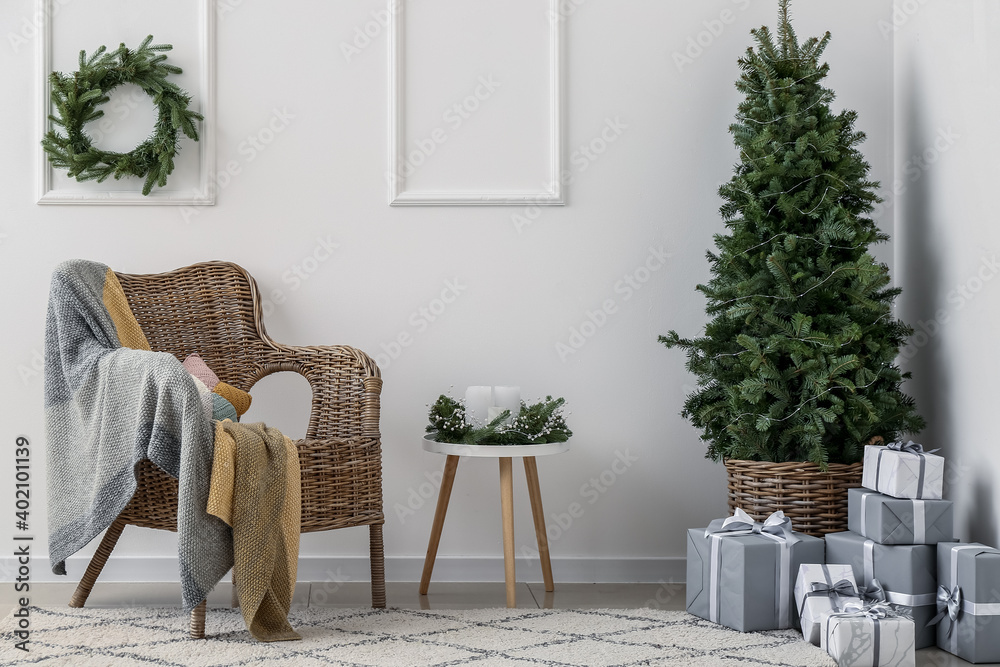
x=198, y=621
x=378, y=566
x=97, y=564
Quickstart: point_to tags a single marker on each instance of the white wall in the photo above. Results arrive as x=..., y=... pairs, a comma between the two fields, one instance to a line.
x=947, y=239
x=322, y=178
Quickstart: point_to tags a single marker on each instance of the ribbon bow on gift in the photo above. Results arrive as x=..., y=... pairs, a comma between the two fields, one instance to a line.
x=843, y=588
x=777, y=525
x=911, y=447
x=873, y=592
x=875, y=611
x=908, y=448
x=949, y=603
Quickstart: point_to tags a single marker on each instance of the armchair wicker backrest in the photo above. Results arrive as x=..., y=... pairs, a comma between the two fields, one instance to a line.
x=214, y=309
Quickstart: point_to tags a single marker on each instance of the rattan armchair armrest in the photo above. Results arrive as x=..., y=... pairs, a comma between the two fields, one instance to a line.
x=346, y=387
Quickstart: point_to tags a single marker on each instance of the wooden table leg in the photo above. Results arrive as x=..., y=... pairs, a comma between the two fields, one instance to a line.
x=507, y=513
x=444, y=495
x=535, y=494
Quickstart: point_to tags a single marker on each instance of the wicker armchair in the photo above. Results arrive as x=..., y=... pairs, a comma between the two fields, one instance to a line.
x=214, y=309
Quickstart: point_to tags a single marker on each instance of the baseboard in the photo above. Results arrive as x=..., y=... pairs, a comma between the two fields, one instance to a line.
x=399, y=568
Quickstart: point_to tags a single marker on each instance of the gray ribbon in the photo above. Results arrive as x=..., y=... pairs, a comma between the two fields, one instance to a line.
x=873, y=592
x=864, y=508
x=907, y=600
x=868, y=550
x=911, y=447
x=919, y=521
x=953, y=639
x=776, y=525
x=842, y=589
x=949, y=603
x=981, y=608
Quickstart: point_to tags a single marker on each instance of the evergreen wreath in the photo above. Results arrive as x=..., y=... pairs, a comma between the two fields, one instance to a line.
x=76, y=97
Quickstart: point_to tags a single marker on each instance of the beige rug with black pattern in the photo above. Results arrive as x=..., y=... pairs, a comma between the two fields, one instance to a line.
x=401, y=638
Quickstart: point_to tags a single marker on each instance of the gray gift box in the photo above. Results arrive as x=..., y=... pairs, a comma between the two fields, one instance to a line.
x=974, y=635
x=889, y=520
x=747, y=576
x=906, y=572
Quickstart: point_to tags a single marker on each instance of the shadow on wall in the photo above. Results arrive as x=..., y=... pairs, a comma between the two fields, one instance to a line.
x=919, y=261
x=922, y=305
x=983, y=528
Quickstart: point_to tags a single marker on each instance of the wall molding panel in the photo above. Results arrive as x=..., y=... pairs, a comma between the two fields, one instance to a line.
x=191, y=15
x=405, y=156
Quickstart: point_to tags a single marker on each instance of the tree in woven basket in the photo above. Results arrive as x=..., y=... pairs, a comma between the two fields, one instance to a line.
x=798, y=360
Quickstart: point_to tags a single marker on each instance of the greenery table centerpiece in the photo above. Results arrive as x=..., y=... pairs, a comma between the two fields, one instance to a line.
x=536, y=424
x=796, y=369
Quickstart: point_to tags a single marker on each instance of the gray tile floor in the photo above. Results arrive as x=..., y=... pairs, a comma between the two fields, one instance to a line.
x=405, y=595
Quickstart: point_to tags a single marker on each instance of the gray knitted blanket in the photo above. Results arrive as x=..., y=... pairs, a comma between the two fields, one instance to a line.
x=107, y=407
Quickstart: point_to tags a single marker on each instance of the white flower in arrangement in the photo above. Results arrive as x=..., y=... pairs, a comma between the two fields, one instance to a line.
x=539, y=423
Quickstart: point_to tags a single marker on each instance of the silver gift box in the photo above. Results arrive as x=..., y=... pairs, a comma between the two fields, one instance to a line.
x=903, y=474
x=907, y=573
x=746, y=573
x=889, y=520
x=974, y=633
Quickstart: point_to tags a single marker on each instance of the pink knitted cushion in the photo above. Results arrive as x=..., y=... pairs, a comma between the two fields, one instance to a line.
x=197, y=367
x=237, y=399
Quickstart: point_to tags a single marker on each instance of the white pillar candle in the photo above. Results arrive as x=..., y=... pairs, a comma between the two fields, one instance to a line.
x=494, y=413
x=508, y=398
x=477, y=404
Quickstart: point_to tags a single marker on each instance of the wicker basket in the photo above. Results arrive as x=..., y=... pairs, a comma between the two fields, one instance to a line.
x=815, y=501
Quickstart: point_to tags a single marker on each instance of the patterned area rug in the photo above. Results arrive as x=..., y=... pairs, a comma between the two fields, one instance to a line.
x=403, y=638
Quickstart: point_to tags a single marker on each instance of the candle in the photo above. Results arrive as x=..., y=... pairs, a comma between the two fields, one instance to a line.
x=494, y=413
x=508, y=398
x=477, y=404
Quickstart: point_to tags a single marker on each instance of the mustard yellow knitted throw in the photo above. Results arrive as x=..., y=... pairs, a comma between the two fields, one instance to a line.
x=256, y=490
x=110, y=402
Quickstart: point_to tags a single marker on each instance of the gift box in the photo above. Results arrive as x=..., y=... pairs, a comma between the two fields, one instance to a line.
x=821, y=590
x=904, y=575
x=903, y=471
x=969, y=601
x=869, y=637
x=889, y=520
x=741, y=574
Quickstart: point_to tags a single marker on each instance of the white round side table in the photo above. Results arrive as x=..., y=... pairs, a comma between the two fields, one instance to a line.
x=504, y=453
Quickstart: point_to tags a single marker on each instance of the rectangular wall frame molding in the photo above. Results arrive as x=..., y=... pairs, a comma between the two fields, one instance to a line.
x=399, y=192
x=201, y=195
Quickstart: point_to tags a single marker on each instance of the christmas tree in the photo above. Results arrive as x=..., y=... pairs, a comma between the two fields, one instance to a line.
x=798, y=360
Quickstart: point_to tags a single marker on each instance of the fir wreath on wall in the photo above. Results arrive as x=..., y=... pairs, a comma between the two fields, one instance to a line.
x=77, y=96
x=798, y=360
